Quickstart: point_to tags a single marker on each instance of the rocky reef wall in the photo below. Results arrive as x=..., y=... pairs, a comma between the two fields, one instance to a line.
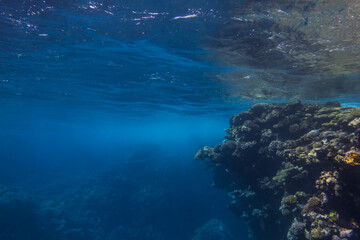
x=292, y=170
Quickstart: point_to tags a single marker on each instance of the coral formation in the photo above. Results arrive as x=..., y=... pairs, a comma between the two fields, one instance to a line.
x=292, y=170
x=352, y=158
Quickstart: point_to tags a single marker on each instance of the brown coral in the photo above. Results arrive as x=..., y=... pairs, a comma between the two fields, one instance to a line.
x=352, y=158
x=328, y=181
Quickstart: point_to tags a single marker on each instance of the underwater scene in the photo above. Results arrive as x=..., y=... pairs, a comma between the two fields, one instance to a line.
x=179, y=120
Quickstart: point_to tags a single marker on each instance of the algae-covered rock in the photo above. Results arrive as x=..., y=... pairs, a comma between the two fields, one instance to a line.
x=297, y=175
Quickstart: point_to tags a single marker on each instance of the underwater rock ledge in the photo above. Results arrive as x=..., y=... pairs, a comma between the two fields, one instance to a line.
x=292, y=170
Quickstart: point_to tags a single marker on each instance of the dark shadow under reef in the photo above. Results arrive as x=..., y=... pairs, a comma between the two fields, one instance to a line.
x=292, y=170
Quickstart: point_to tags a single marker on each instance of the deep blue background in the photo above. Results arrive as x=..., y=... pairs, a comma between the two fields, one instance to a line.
x=103, y=106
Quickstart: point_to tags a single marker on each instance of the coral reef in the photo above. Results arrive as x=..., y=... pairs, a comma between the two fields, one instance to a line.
x=292, y=170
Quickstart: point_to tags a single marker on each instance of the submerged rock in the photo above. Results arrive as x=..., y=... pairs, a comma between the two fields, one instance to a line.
x=19, y=216
x=297, y=175
x=212, y=230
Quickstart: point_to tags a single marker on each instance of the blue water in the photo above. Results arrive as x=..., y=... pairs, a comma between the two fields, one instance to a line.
x=105, y=103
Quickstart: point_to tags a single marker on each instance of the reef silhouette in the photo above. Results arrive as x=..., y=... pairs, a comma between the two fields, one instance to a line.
x=292, y=170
